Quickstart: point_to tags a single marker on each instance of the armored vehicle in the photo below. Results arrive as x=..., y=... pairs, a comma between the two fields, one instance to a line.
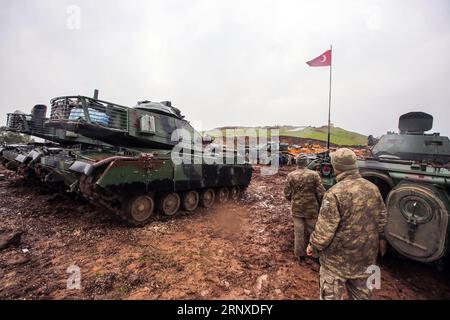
x=146, y=173
x=412, y=143
x=16, y=157
x=41, y=159
x=412, y=173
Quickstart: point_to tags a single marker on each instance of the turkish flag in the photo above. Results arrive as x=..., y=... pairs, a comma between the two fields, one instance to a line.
x=321, y=61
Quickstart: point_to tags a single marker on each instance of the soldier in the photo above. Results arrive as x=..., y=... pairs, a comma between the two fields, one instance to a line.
x=348, y=231
x=305, y=191
x=289, y=159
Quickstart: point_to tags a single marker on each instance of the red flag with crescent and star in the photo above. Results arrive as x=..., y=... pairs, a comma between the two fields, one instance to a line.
x=321, y=61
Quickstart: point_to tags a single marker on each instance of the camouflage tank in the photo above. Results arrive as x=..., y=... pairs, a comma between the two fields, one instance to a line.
x=411, y=170
x=143, y=176
x=21, y=157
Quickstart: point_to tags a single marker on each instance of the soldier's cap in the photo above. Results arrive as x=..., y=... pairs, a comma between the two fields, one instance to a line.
x=343, y=159
x=301, y=159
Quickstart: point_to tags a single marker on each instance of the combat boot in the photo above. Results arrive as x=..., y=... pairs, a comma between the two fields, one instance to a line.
x=301, y=259
x=313, y=263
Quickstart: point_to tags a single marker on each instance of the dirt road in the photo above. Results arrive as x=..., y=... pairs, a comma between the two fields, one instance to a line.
x=237, y=251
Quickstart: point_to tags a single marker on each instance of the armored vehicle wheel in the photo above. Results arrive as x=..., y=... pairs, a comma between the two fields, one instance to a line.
x=207, y=198
x=235, y=193
x=138, y=210
x=190, y=200
x=170, y=203
x=223, y=195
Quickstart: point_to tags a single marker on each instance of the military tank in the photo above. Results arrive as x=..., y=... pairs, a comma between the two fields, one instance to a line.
x=18, y=157
x=411, y=170
x=144, y=176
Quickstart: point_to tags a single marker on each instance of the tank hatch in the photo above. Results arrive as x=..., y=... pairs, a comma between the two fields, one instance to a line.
x=415, y=122
x=164, y=107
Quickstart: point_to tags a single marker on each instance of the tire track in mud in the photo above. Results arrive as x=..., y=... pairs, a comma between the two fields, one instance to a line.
x=236, y=251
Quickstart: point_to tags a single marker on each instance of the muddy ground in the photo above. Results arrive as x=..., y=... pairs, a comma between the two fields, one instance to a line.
x=237, y=251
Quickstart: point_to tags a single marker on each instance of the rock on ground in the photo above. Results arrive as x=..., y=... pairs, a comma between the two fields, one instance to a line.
x=10, y=239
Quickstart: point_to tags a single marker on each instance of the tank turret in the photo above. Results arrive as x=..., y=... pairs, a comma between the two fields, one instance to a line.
x=147, y=125
x=33, y=124
x=412, y=142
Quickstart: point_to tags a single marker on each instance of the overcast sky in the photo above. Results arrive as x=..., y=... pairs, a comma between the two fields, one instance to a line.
x=234, y=62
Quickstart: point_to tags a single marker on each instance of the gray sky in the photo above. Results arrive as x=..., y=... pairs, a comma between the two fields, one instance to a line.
x=234, y=62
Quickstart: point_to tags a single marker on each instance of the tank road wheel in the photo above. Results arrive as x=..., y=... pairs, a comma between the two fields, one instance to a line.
x=190, y=200
x=223, y=195
x=207, y=198
x=138, y=210
x=235, y=193
x=170, y=203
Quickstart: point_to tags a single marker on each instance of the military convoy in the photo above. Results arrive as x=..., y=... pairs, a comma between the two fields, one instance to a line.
x=411, y=171
x=123, y=158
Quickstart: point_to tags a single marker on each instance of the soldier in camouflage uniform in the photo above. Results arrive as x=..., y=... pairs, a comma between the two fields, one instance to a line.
x=348, y=231
x=305, y=191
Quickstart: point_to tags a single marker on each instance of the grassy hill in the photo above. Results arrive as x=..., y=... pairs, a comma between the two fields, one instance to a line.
x=339, y=136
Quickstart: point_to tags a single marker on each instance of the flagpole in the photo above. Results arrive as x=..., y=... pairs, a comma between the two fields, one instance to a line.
x=329, y=101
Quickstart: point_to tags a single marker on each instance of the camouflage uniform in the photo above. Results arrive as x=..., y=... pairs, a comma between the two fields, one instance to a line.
x=351, y=219
x=305, y=191
x=290, y=160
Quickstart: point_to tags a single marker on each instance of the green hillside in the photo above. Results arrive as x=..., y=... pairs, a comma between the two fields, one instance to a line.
x=339, y=136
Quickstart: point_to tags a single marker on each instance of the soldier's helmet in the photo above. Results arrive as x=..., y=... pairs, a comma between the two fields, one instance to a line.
x=344, y=159
x=301, y=160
